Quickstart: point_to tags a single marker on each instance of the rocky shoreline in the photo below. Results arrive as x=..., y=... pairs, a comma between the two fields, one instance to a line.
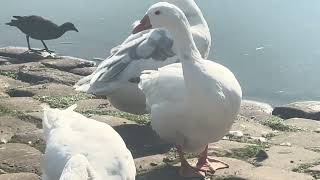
x=265, y=143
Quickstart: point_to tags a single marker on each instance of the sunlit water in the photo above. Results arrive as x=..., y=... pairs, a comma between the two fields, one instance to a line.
x=272, y=46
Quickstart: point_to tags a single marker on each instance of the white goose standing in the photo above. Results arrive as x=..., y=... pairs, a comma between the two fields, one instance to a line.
x=194, y=102
x=146, y=50
x=79, y=148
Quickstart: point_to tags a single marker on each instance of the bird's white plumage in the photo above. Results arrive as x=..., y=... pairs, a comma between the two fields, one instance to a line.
x=146, y=50
x=80, y=148
x=194, y=102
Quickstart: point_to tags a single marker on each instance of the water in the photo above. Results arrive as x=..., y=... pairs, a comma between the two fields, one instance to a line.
x=271, y=45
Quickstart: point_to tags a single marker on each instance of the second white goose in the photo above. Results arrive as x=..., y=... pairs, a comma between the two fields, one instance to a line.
x=194, y=102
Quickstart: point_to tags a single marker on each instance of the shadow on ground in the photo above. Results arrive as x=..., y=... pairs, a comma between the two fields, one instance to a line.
x=141, y=140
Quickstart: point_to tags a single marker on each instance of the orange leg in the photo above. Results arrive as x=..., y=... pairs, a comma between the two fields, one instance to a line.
x=186, y=170
x=206, y=164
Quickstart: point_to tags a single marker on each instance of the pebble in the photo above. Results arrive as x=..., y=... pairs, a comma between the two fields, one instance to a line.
x=286, y=144
x=236, y=133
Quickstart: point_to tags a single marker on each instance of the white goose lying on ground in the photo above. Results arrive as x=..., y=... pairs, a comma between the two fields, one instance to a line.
x=194, y=102
x=79, y=148
x=145, y=50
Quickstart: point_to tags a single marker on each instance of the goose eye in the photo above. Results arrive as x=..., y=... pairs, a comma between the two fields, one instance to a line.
x=157, y=12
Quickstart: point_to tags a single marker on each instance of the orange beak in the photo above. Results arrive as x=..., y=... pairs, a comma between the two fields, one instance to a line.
x=144, y=25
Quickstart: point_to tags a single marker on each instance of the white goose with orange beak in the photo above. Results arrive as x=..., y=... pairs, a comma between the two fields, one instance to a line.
x=117, y=76
x=194, y=102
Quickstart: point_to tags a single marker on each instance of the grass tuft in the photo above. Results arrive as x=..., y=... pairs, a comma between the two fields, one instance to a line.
x=13, y=75
x=61, y=101
x=277, y=123
x=304, y=168
x=140, y=119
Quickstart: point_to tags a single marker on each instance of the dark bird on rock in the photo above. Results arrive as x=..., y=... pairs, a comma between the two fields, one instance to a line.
x=40, y=28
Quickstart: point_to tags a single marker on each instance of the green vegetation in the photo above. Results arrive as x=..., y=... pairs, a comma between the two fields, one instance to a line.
x=61, y=101
x=252, y=151
x=140, y=119
x=304, y=168
x=5, y=111
x=10, y=74
x=277, y=123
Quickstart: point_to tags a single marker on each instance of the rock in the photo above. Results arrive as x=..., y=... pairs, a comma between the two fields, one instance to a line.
x=288, y=158
x=94, y=104
x=9, y=126
x=269, y=173
x=8, y=83
x=303, y=109
x=23, y=54
x=306, y=124
x=67, y=63
x=41, y=75
x=250, y=127
x=19, y=176
x=148, y=163
x=32, y=138
x=224, y=148
x=307, y=140
x=255, y=110
x=86, y=71
x=112, y=121
x=49, y=89
x=237, y=168
x=35, y=118
x=236, y=133
x=19, y=158
x=4, y=61
x=22, y=104
x=14, y=68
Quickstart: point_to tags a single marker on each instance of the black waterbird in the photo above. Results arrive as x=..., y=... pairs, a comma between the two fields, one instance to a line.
x=40, y=28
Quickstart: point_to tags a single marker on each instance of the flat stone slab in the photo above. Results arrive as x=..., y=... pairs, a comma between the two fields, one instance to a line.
x=20, y=176
x=112, y=121
x=309, y=140
x=33, y=138
x=8, y=83
x=307, y=124
x=48, y=89
x=45, y=75
x=94, y=104
x=22, y=104
x=303, y=109
x=288, y=158
x=250, y=127
x=67, y=63
x=23, y=54
x=269, y=173
x=83, y=71
x=8, y=60
x=9, y=126
x=225, y=147
x=255, y=110
x=19, y=158
x=237, y=168
x=15, y=67
x=148, y=163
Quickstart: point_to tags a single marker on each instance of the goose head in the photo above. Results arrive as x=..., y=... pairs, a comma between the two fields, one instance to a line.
x=162, y=15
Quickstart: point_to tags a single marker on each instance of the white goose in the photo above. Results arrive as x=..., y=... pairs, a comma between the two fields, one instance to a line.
x=194, y=102
x=79, y=148
x=145, y=50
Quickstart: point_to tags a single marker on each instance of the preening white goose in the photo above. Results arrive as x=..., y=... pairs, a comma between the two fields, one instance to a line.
x=79, y=148
x=194, y=102
x=145, y=50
